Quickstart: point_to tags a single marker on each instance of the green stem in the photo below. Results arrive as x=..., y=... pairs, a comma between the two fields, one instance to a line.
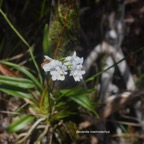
x=13, y=28
x=24, y=41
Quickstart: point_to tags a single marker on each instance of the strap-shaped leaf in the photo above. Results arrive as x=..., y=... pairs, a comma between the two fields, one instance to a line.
x=80, y=96
x=62, y=115
x=46, y=49
x=20, y=123
x=17, y=93
x=17, y=82
x=24, y=71
x=84, y=101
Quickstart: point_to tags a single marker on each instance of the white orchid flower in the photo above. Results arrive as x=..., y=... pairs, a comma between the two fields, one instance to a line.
x=58, y=69
x=74, y=63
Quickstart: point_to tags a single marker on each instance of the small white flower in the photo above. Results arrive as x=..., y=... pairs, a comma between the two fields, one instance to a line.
x=74, y=64
x=57, y=69
x=77, y=74
x=73, y=61
x=58, y=74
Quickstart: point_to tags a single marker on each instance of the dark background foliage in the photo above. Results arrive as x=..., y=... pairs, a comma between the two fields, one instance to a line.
x=29, y=18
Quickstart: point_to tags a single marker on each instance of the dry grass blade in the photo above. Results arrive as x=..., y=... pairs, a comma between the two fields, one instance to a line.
x=4, y=70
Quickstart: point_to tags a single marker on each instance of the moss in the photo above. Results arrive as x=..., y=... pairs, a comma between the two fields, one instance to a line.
x=64, y=28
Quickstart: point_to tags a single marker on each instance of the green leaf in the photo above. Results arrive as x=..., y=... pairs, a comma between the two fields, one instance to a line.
x=43, y=8
x=45, y=41
x=15, y=92
x=24, y=71
x=20, y=123
x=75, y=91
x=60, y=105
x=80, y=96
x=84, y=101
x=62, y=114
x=17, y=82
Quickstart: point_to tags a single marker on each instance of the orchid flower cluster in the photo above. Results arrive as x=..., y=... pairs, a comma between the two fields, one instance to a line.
x=58, y=69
